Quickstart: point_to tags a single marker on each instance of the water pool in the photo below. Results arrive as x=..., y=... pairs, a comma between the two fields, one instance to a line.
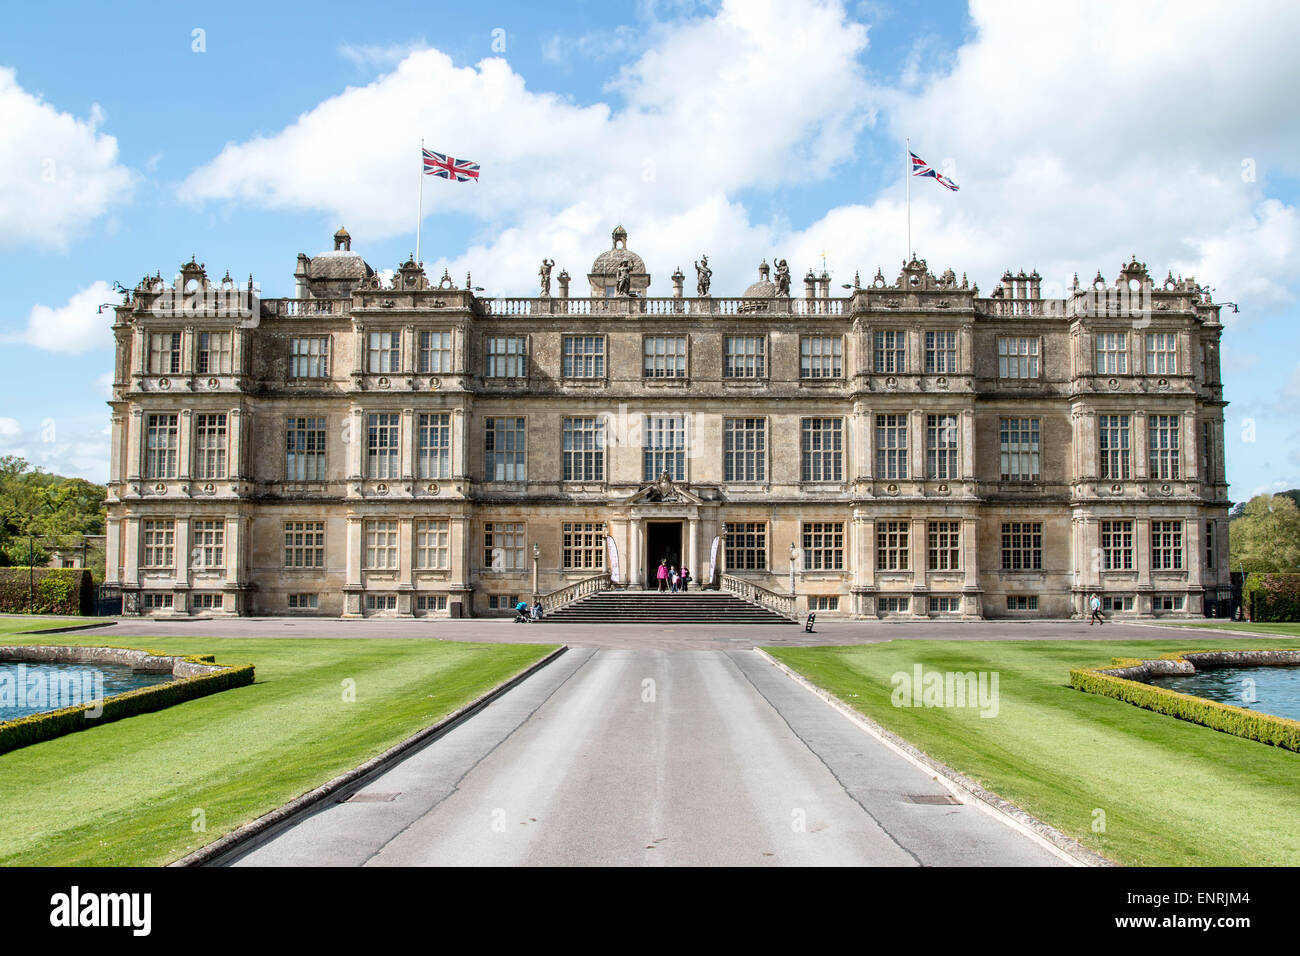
x=1269, y=690
x=30, y=687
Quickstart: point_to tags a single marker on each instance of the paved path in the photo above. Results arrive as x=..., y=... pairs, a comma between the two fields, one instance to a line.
x=730, y=763
x=644, y=636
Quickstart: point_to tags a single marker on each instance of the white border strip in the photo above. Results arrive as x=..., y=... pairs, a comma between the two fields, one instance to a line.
x=1048, y=837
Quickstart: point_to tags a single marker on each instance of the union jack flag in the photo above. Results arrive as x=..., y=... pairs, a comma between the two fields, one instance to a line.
x=921, y=168
x=447, y=167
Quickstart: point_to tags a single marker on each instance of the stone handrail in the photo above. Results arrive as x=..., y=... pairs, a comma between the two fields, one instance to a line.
x=782, y=604
x=574, y=592
x=663, y=305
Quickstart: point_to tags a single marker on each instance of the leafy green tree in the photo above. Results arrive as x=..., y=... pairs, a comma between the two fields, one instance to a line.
x=1265, y=535
x=54, y=509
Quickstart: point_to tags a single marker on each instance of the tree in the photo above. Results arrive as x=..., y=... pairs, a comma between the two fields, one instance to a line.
x=58, y=510
x=1265, y=536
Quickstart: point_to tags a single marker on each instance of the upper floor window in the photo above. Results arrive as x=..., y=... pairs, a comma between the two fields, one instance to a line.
x=583, y=356
x=209, y=544
x=210, y=446
x=213, y=357
x=892, y=545
x=584, y=449
x=823, y=546
x=891, y=352
x=433, y=544
x=584, y=545
x=305, y=449
x=161, y=442
x=1117, y=545
x=507, y=357
x=664, y=356
x=1162, y=447
x=941, y=446
x=744, y=356
x=944, y=540
x=503, y=545
x=304, y=544
x=941, y=352
x=381, y=544
x=744, y=449
x=821, y=356
x=309, y=357
x=891, y=446
x=1017, y=357
x=1022, y=546
x=1018, y=448
x=384, y=353
x=164, y=353
x=1112, y=353
x=1162, y=353
x=822, y=449
x=434, y=352
x=383, y=448
x=434, y=453
x=1114, y=446
x=159, y=543
x=504, y=449
x=664, y=447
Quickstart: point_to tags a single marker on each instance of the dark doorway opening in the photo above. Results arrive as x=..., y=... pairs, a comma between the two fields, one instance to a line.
x=663, y=542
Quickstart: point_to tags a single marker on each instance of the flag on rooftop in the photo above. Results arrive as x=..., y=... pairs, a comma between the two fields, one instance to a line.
x=921, y=168
x=448, y=167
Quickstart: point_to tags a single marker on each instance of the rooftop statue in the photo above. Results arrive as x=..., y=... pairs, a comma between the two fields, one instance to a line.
x=623, y=278
x=545, y=273
x=702, y=276
x=782, y=278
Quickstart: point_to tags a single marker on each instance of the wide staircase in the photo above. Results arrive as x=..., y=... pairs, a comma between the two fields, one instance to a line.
x=652, y=607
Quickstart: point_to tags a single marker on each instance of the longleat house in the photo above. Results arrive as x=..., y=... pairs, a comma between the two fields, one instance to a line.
x=910, y=448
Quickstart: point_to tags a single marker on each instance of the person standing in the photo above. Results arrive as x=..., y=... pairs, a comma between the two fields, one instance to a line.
x=685, y=577
x=672, y=579
x=1095, y=604
x=662, y=575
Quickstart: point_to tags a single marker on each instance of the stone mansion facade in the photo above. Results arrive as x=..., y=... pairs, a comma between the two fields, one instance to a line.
x=912, y=449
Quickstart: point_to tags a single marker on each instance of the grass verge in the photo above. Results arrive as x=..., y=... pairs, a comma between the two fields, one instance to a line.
x=132, y=792
x=1290, y=629
x=1171, y=793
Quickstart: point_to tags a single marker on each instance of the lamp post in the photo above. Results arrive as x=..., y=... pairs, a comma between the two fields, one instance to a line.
x=794, y=554
x=536, y=553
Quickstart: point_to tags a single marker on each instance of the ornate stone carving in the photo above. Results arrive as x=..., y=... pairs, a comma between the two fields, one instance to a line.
x=782, y=278
x=703, y=276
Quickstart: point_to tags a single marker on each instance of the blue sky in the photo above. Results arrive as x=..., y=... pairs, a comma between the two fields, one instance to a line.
x=742, y=131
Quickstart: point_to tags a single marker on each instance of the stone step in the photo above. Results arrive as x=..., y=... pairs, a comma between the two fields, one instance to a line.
x=651, y=607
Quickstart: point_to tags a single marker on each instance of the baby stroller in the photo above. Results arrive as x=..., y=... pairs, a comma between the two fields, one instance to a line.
x=521, y=613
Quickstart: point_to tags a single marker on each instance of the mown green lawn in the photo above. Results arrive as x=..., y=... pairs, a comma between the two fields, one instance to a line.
x=1173, y=793
x=1290, y=629
x=126, y=793
x=41, y=622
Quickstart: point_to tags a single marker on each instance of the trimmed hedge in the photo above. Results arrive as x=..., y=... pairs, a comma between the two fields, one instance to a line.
x=53, y=591
x=39, y=727
x=1253, y=725
x=1272, y=597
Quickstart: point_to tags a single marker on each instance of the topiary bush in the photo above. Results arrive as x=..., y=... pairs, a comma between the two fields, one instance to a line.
x=1272, y=597
x=46, y=591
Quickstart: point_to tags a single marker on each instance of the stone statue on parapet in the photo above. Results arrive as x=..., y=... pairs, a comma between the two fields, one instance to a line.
x=782, y=278
x=703, y=274
x=623, y=278
x=545, y=273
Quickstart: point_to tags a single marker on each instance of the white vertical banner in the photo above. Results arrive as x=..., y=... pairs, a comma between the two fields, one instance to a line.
x=615, y=572
x=713, y=561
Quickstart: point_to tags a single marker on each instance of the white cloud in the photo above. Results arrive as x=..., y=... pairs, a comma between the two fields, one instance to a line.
x=370, y=56
x=1138, y=150
x=57, y=172
x=74, y=327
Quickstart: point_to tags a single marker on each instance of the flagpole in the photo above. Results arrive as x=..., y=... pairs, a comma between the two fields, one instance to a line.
x=419, y=215
x=907, y=173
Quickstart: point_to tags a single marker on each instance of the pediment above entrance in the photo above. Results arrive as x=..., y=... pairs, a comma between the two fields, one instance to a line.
x=664, y=491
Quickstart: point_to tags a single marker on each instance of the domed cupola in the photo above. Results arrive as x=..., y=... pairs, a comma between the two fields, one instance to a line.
x=605, y=270
x=336, y=272
x=764, y=288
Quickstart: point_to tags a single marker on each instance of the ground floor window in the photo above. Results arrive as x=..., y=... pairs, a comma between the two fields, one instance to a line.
x=746, y=546
x=584, y=545
x=1117, y=602
x=304, y=602
x=502, y=602
x=381, y=602
x=823, y=602
x=209, y=601
x=157, y=601
x=503, y=545
x=1167, y=602
x=892, y=545
x=945, y=605
x=893, y=605
x=823, y=546
x=431, y=602
x=1022, y=602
